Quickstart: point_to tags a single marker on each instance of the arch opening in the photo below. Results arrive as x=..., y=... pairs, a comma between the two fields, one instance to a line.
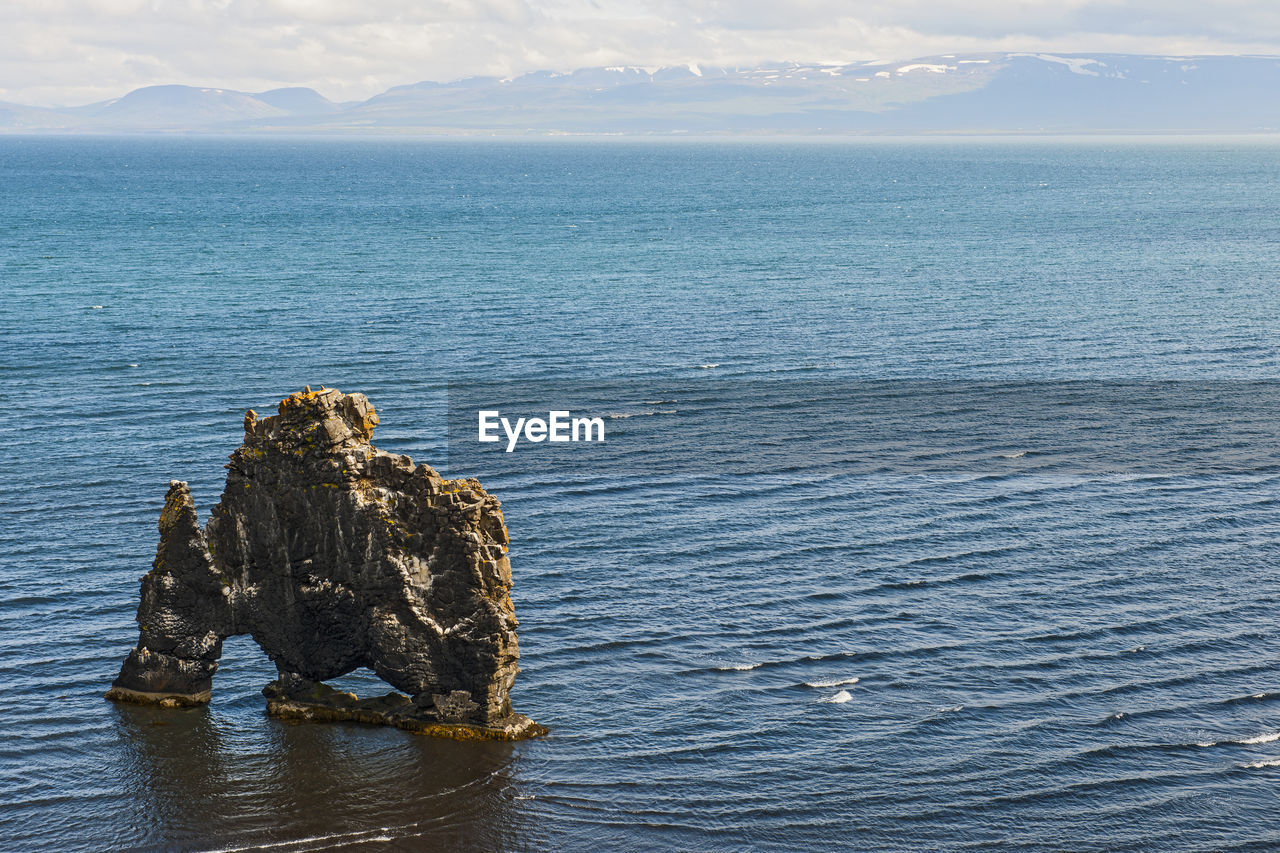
x=363, y=682
x=243, y=669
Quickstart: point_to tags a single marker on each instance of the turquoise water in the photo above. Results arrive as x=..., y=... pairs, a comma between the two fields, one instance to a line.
x=1044, y=658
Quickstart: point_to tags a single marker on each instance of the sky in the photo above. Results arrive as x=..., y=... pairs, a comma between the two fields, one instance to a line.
x=67, y=52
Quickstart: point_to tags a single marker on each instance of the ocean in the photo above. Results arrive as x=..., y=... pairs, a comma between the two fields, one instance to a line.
x=938, y=507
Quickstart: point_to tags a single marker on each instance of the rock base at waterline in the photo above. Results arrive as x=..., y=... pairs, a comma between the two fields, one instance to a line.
x=325, y=704
x=159, y=700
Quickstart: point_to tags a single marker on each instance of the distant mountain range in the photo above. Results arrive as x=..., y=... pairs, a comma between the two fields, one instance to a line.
x=979, y=93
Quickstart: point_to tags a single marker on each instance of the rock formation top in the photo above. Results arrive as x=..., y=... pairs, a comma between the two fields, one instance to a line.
x=326, y=419
x=335, y=555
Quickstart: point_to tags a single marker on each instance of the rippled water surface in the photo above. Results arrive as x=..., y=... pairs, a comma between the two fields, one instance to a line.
x=802, y=653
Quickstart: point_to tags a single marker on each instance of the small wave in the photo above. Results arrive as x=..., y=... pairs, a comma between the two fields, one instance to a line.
x=1251, y=697
x=1270, y=762
x=831, y=682
x=708, y=366
x=1270, y=737
x=1267, y=738
x=613, y=416
x=739, y=667
x=951, y=710
x=840, y=698
x=1136, y=649
x=1018, y=455
x=359, y=836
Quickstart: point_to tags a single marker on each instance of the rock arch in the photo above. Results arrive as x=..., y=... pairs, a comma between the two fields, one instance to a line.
x=335, y=555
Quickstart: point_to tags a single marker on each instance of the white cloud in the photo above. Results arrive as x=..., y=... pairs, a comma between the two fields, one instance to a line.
x=74, y=51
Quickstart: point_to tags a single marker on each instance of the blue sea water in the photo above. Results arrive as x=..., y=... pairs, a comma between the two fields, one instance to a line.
x=805, y=654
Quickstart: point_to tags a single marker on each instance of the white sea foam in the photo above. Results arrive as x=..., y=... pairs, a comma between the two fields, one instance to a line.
x=1018, y=455
x=951, y=710
x=831, y=682
x=840, y=698
x=739, y=667
x=710, y=366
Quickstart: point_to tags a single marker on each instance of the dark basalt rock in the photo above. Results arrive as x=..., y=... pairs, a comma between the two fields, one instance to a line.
x=335, y=555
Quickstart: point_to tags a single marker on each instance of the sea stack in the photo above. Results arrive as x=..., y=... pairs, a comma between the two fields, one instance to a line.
x=335, y=555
